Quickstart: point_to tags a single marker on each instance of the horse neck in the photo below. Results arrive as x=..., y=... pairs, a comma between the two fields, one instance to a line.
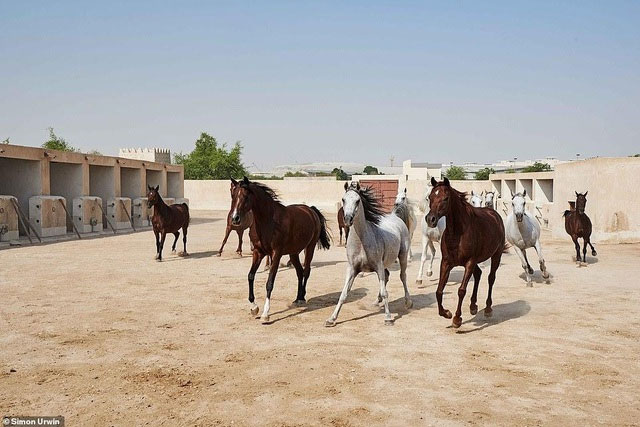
x=160, y=207
x=459, y=214
x=264, y=218
x=361, y=226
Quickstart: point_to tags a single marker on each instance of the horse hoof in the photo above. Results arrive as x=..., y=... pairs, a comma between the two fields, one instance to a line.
x=408, y=304
x=457, y=322
x=545, y=275
x=594, y=253
x=529, y=284
x=329, y=323
x=530, y=270
x=173, y=251
x=488, y=312
x=264, y=320
x=446, y=314
x=429, y=273
x=419, y=282
x=254, y=311
x=239, y=253
x=300, y=303
x=388, y=322
x=219, y=253
x=183, y=254
x=473, y=309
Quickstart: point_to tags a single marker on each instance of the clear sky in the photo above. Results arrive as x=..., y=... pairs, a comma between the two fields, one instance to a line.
x=300, y=81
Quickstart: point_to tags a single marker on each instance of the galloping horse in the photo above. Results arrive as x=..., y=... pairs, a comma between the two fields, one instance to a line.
x=246, y=222
x=577, y=224
x=429, y=236
x=489, y=199
x=377, y=240
x=523, y=231
x=342, y=226
x=472, y=235
x=280, y=230
x=167, y=219
x=476, y=200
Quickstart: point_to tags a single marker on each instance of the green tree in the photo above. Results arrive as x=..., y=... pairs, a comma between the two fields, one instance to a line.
x=635, y=155
x=537, y=167
x=209, y=160
x=6, y=141
x=296, y=174
x=370, y=170
x=483, y=174
x=57, y=143
x=95, y=153
x=456, y=173
x=340, y=174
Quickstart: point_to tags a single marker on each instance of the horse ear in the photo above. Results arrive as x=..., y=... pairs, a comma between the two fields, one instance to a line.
x=346, y=186
x=524, y=193
x=157, y=187
x=433, y=182
x=576, y=193
x=585, y=193
x=358, y=185
x=472, y=193
x=446, y=182
x=405, y=191
x=233, y=182
x=245, y=180
x=482, y=193
x=149, y=187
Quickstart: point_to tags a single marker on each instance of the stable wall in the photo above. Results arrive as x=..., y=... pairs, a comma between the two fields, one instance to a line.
x=66, y=181
x=21, y=179
x=131, y=185
x=101, y=184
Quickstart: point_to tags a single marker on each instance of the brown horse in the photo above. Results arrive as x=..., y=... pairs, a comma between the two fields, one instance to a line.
x=342, y=226
x=246, y=222
x=577, y=224
x=280, y=230
x=472, y=236
x=167, y=219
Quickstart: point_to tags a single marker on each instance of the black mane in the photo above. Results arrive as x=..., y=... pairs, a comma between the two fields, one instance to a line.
x=268, y=191
x=371, y=204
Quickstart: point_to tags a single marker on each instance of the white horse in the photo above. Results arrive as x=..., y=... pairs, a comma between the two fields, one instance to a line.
x=476, y=199
x=429, y=235
x=375, y=242
x=489, y=199
x=523, y=231
x=403, y=208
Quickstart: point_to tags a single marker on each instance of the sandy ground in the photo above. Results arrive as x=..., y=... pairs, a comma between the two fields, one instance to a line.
x=98, y=332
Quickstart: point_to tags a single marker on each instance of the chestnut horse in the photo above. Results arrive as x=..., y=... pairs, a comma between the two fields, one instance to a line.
x=342, y=225
x=246, y=222
x=280, y=230
x=167, y=219
x=577, y=224
x=472, y=236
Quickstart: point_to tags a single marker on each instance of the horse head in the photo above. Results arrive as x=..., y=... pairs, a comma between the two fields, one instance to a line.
x=488, y=199
x=153, y=196
x=242, y=200
x=439, y=201
x=401, y=198
x=518, y=203
x=581, y=202
x=476, y=200
x=351, y=202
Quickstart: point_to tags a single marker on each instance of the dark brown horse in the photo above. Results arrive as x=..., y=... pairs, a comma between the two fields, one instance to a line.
x=280, y=230
x=246, y=222
x=472, y=236
x=167, y=219
x=342, y=225
x=578, y=225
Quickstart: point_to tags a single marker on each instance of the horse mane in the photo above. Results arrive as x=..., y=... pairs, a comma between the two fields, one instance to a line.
x=371, y=204
x=268, y=191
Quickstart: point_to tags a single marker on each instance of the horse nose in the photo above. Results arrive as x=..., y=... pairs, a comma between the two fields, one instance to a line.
x=347, y=219
x=236, y=219
x=430, y=218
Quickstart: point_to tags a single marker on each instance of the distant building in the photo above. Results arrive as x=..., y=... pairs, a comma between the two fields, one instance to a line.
x=158, y=155
x=502, y=165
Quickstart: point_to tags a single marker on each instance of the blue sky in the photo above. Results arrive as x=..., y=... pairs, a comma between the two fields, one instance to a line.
x=300, y=81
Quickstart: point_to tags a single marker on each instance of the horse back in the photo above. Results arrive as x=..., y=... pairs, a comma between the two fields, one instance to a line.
x=479, y=240
x=296, y=227
x=173, y=219
x=577, y=224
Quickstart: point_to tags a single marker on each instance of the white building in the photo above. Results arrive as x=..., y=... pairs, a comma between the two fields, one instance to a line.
x=158, y=155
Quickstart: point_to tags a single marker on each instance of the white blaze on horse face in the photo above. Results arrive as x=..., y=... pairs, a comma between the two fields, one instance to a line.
x=350, y=204
x=518, y=204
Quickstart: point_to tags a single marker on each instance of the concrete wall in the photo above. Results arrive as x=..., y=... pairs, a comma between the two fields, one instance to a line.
x=613, y=202
x=66, y=181
x=132, y=182
x=22, y=189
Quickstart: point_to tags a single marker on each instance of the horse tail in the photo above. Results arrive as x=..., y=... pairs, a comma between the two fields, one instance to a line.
x=324, y=242
x=188, y=219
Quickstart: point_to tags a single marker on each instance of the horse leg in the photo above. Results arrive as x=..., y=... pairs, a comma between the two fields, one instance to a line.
x=495, y=263
x=351, y=275
x=184, y=240
x=423, y=259
x=239, y=250
x=257, y=259
x=306, y=272
x=445, y=269
x=340, y=244
x=525, y=264
x=388, y=320
x=593, y=250
x=295, y=260
x=577, y=245
x=529, y=269
x=543, y=266
x=462, y=291
x=584, y=250
x=275, y=263
x=408, y=303
x=173, y=247
x=433, y=256
x=477, y=272
x=157, y=243
x=164, y=235
x=346, y=235
x=224, y=241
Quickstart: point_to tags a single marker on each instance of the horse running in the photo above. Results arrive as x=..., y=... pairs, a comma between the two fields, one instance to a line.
x=429, y=236
x=523, y=231
x=578, y=225
x=476, y=200
x=246, y=222
x=342, y=226
x=489, y=199
x=167, y=219
x=280, y=230
x=472, y=235
x=404, y=209
x=377, y=240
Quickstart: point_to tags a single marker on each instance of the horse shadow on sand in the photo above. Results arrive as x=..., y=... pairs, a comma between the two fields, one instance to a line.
x=501, y=313
x=192, y=255
x=536, y=278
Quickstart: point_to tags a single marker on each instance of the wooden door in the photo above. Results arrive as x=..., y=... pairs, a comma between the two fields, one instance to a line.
x=386, y=189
